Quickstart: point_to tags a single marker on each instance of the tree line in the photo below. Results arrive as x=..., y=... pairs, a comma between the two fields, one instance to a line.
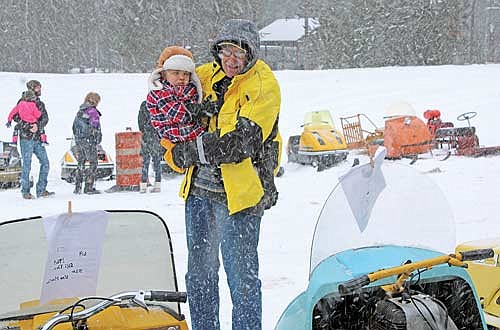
x=121, y=35
x=128, y=35
x=368, y=33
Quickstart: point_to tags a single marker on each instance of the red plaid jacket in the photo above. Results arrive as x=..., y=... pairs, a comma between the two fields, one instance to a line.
x=169, y=115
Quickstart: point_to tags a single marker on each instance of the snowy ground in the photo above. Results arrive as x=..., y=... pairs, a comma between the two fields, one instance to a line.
x=471, y=185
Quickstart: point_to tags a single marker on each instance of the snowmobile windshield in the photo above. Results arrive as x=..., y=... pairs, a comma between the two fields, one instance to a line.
x=384, y=203
x=48, y=263
x=318, y=118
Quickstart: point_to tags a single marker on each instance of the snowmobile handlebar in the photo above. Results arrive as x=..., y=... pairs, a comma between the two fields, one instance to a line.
x=476, y=254
x=404, y=271
x=354, y=284
x=170, y=296
x=137, y=297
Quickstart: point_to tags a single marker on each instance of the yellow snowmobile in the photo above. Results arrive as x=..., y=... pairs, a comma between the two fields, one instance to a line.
x=485, y=274
x=69, y=164
x=320, y=144
x=89, y=271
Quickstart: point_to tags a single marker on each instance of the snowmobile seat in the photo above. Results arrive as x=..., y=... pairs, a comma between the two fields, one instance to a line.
x=455, y=131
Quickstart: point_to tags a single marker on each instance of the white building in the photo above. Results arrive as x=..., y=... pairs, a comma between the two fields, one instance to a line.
x=280, y=41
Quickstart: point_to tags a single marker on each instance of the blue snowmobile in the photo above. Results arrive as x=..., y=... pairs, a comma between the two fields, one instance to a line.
x=381, y=259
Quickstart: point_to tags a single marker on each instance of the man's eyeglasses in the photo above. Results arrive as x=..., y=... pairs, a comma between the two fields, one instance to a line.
x=240, y=54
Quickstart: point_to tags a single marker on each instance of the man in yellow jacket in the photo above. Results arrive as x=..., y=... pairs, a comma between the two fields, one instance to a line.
x=229, y=179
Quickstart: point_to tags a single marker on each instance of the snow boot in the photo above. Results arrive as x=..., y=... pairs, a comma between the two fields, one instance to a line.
x=91, y=191
x=143, y=187
x=45, y=194
x=156, y=188
x=28, y=196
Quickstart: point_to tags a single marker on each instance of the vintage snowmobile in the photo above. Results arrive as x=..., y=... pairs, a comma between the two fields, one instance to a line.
x=320, y=144
x=10, y=166
x=405, y=135
x=105, y=164
x=380, y=260
x=89, y=270
x=462, y=141
x=485, y=274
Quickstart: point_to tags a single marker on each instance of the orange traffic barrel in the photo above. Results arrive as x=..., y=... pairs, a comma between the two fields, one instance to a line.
x=128, y=158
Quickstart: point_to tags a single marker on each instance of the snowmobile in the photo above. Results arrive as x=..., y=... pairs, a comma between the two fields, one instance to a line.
x=405, y=135
x=380, y=260
x=463, y=141
x=320, y=144
x=105, y=164
x=485, y=274
x=10, y=166
x=89, y=270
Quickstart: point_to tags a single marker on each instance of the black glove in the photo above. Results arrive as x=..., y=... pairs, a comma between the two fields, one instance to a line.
x=206, y=108
x=8, y=124
x=185, y=154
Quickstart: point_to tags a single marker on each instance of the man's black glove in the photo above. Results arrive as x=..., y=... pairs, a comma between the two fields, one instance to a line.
x=185, y=154
x=206, y=108
x=8, y=124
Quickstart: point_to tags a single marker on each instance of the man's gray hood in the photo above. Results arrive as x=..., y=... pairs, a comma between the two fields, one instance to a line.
x=242, y=33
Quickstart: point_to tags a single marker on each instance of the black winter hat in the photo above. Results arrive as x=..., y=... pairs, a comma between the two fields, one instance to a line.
x=241, y=32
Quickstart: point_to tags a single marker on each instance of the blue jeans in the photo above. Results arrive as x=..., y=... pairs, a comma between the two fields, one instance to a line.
x=156, y=157
x=209, y=226
x=28, y=148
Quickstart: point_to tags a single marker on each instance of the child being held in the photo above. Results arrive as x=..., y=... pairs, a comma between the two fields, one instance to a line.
x=169, y=102
x=27, y=110
x=174, y=90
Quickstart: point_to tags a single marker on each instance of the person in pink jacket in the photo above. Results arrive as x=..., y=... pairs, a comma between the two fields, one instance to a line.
x=28, y=112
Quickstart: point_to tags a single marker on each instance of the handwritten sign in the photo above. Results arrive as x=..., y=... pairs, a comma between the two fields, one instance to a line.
x=74, y=254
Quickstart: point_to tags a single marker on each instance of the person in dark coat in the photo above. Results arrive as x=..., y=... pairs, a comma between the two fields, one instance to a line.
x=87, y=135
x=26, y=110
x=150, y=149
x=30, y=136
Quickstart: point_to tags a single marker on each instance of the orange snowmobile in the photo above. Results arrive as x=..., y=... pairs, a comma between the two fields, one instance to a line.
x=405, y=135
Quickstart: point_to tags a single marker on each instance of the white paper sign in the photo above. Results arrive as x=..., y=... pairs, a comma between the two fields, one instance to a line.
x=74, y=253
x=362, y=185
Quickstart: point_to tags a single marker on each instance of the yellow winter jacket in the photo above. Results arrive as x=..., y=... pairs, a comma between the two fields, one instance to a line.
x=255, y=95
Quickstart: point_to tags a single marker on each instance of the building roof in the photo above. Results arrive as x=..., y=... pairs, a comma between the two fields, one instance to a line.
x=287, y=29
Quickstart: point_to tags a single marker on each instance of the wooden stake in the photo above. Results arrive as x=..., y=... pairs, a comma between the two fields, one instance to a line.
x=70, y=211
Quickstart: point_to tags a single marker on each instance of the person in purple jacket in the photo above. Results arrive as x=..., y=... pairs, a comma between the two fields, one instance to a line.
x=87, y=135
